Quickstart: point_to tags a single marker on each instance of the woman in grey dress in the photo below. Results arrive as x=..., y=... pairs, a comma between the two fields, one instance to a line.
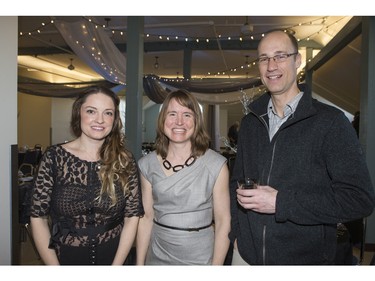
x=184, y=190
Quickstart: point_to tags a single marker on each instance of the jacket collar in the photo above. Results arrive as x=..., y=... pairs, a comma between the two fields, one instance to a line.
x=304, y=108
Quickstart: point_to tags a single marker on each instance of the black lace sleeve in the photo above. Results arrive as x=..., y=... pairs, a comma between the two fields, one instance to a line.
x=134, y=206
x=43, y=184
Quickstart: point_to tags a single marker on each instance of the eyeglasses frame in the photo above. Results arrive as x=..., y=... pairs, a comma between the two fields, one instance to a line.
x=267, y=59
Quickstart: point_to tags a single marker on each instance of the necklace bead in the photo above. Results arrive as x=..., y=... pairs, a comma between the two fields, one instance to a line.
x=190, y=161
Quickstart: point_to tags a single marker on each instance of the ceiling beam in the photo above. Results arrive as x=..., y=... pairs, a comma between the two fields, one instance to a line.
x=166, y=46
x=346, y=35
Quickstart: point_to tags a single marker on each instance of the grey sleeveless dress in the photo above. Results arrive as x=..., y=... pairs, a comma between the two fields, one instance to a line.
x=184, y=200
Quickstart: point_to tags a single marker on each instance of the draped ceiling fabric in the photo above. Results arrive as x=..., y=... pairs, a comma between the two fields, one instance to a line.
x=209, y=90
x=93, y=46
x=60, y=90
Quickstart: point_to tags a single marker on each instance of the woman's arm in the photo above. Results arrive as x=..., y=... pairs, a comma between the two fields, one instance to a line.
x=42, y=235
x=221, y=216
x=145, y=223
x=127, y=238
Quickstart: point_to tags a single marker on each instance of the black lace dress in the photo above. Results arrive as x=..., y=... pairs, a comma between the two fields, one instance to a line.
x=83, y=231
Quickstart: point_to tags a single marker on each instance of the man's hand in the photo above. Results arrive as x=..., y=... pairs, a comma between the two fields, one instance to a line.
x=261, y=200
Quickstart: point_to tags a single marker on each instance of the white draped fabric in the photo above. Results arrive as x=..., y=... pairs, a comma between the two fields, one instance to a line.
x=208, y=91
x=93, y=46
x=231, y=97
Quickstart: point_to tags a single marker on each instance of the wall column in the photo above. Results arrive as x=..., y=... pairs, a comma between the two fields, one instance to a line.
x=8, y=113
x=134, y=85
x=367, y=105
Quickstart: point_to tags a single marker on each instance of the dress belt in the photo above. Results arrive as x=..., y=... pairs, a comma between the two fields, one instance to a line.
x=62, y=227
x=182, y=228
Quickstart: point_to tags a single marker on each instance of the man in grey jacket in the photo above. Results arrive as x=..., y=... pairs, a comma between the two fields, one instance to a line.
x=309, y=165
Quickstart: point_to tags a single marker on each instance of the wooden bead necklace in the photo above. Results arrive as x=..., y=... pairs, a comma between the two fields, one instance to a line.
x=190, y=161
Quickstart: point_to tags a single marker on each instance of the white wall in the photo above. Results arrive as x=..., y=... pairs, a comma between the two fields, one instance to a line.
x=150, y=117
x=8, y=114
x=61, y=109
x=60, y=115
x=33, y=120
x=323, y=100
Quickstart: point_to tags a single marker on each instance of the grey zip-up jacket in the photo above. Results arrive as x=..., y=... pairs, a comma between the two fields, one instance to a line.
x=316, y=163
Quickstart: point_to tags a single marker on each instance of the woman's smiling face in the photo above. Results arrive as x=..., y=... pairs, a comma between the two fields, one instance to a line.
x=179, y=122
x=97, y=116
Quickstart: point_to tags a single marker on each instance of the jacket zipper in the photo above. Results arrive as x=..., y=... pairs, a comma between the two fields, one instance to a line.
x=264, y=244
x=268, y=180
x=271, y=165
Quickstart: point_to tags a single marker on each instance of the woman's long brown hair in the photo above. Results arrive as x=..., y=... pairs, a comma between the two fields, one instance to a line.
x=114, y=158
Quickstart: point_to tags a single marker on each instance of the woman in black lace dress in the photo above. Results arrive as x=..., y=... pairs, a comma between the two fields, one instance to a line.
x=86, y=200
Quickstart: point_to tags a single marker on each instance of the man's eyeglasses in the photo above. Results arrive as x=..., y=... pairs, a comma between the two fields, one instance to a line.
x=277, y=58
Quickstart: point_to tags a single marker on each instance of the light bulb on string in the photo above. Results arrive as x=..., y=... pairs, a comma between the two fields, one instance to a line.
x=156, y=64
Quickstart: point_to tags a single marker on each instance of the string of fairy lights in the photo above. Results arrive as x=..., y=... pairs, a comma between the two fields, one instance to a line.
x=319, y=21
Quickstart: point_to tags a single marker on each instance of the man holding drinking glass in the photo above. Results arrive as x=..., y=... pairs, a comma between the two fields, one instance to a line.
x=308, y=164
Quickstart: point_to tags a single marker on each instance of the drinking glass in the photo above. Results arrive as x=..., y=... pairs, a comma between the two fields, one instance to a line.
x=247, y=183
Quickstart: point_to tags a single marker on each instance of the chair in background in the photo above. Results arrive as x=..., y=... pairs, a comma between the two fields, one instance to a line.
x=38, y=146
x=26, y=170
x=39, y=152
x=30, y=161
x=32, y=156
x=25, y=194
x=21, y=156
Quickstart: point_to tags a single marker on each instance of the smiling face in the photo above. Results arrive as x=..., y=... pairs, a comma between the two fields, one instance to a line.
x=179, y=122
x=97, y=116
x=279, y=77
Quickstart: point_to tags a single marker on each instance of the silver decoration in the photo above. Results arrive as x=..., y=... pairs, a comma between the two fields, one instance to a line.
x=246, y=100
x=227, y=144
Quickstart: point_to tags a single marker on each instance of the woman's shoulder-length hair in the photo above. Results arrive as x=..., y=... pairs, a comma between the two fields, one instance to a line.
x=200, y=139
